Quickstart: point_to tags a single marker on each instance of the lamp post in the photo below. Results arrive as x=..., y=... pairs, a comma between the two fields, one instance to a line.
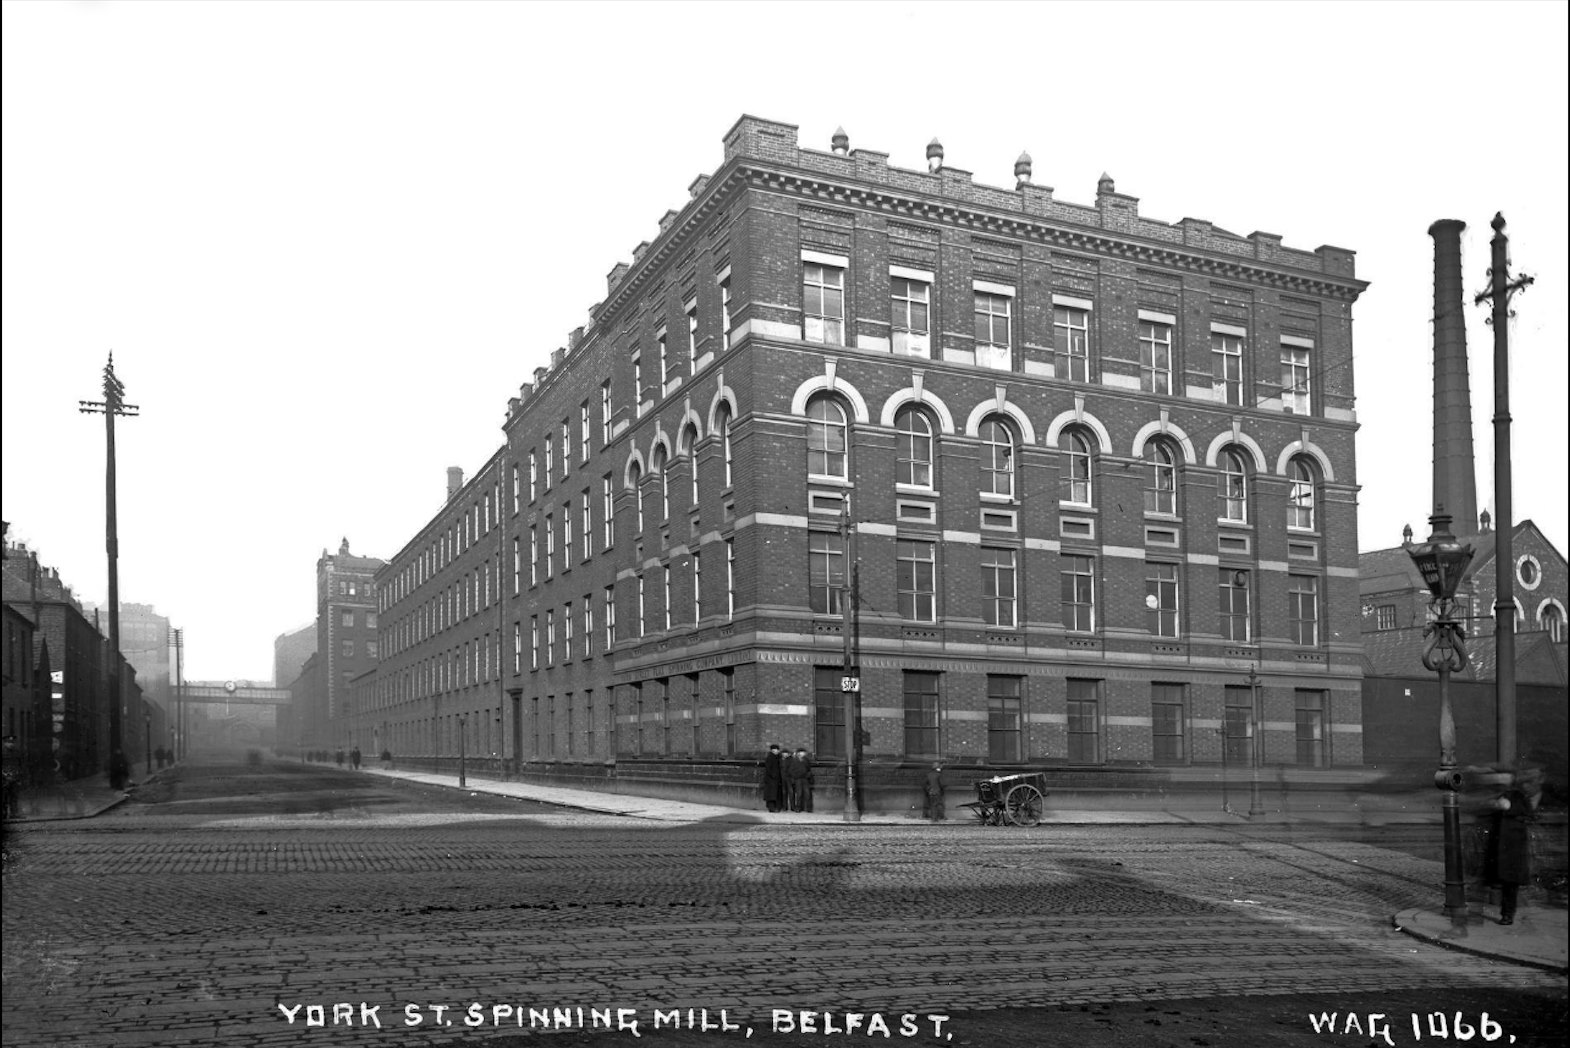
x=850, y=681
x=1256, y=748
x=147, y=741
x=1442, y=561
x=463, y=721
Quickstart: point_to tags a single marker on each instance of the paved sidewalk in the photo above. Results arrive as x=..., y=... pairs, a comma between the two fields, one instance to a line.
x=1537, y=937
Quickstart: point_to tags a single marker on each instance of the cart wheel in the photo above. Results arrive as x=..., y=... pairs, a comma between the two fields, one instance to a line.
x=1024, y=805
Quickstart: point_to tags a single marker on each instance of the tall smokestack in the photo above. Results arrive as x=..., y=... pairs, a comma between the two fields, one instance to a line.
x=454, y=481
x=1455, y=477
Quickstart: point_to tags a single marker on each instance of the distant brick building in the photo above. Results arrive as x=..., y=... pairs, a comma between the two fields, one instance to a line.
x=1096, y=468
x=347, y=644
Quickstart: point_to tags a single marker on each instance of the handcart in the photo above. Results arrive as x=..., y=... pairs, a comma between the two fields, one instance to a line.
x=1010, y=800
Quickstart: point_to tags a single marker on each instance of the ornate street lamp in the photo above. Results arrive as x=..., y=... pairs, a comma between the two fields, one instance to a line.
x=1442, y=561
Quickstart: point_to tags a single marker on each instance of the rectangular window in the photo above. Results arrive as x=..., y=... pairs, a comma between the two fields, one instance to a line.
x=1084, y=721
x=566, y=632
x=642, y=618
x=1234, y=591
x=348, y=649
x=550, y=544
x=1071, y=337
x=517, y=566
x=517, y=648
x=665, y=583
x=697, y=587
x=730, y=578
x=1226, y=358
x=1005, y=718
x=1237, y=727
x=921, y=714
x=997, y=587
x=605, y=413
x=828, y=732
x=534, y=555
x=588, y=625
x=517, y=491
x=566, y=536
x=550, y=637
x=1303, y=609
x=534, y=476
x=823, y=303
x=917, y=580
x=826, y=571
x=1385, y=617
x=587, y=504
x=608, y=509
x=585, y=442
x=566, y=447
x=665, y=363
x=994, y=340
x=1166, y=724
x=1294, y=377
x=1161, y=599
x=610, y=617
x=1079, y=593
x=1155, y=357
x=550, y=460
x=725, y=311
x=637, y=383
x=691, y=309
x=911, y=333
x=348, y=619
x=1310, y=728
x=534, y=642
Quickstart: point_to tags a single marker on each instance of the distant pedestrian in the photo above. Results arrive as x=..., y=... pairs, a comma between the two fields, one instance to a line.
x=338, y=757
x=1509, y=862
x=935, y=810
x=798, y=778
x=774, y=779
x=354, y=758
x=12, y=772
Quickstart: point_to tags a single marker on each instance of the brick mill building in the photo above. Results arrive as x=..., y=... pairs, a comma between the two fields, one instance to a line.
x=1091, y=470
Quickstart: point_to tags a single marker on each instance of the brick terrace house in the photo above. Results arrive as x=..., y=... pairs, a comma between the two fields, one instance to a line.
x=1090, y=469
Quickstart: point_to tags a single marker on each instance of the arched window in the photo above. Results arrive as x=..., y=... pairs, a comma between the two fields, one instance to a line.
x=826, y=439
x=1160, y=478
x=1232, y=486
x=635, y=480
x=1075, y=479
x=915, y=447
x=661, y=467
x=689, y=440
x=1300, y=501
x=722, y=427
x=1552, y=621
x=997, y=457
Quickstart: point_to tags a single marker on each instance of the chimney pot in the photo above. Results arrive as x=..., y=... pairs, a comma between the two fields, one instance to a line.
x=454, y=481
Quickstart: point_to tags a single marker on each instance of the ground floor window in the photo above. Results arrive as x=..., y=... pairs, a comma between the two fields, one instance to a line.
x=921, y=714
x=1166, y=724
x=1310, y=728
x=828, y=734
x=1005, y=718
x=1238, y=725
x=1084, y=721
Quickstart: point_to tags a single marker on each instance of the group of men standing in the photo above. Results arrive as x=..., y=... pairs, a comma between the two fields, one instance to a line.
x=787, y=780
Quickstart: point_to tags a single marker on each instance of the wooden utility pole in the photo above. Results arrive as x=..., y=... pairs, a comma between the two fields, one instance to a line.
x=113, y=404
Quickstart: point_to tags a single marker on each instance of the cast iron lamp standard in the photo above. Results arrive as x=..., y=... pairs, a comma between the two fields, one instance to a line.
x=850, y=681
x=1256, y=743
x=463, y=724
x=1442, y=561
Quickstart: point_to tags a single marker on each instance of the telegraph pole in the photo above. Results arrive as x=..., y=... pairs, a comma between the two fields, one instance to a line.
x=850, y=681
x=1500, y=290
x=113, y=404
x=179, y=692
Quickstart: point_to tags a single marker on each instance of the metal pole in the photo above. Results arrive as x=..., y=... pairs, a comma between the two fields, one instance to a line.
x=463, y=722
x=850, y=683
x=1504, y=519
x=1226, y=802
x=1450, y=799
x=1256, y=806
x=179, y=693
x=147, y=739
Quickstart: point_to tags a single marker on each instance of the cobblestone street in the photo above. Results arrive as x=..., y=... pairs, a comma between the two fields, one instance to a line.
x=187, y=924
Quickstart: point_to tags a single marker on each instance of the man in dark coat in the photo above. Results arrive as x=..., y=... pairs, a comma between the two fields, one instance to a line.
x=798, y=777
x=1509, y=852
x=774, y=779
x=935, y=808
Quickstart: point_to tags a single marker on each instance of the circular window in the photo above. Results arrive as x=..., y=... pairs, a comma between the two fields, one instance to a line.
x=1529, y=571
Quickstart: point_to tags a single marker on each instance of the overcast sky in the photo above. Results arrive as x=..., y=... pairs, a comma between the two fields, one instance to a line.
x=326, y=242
